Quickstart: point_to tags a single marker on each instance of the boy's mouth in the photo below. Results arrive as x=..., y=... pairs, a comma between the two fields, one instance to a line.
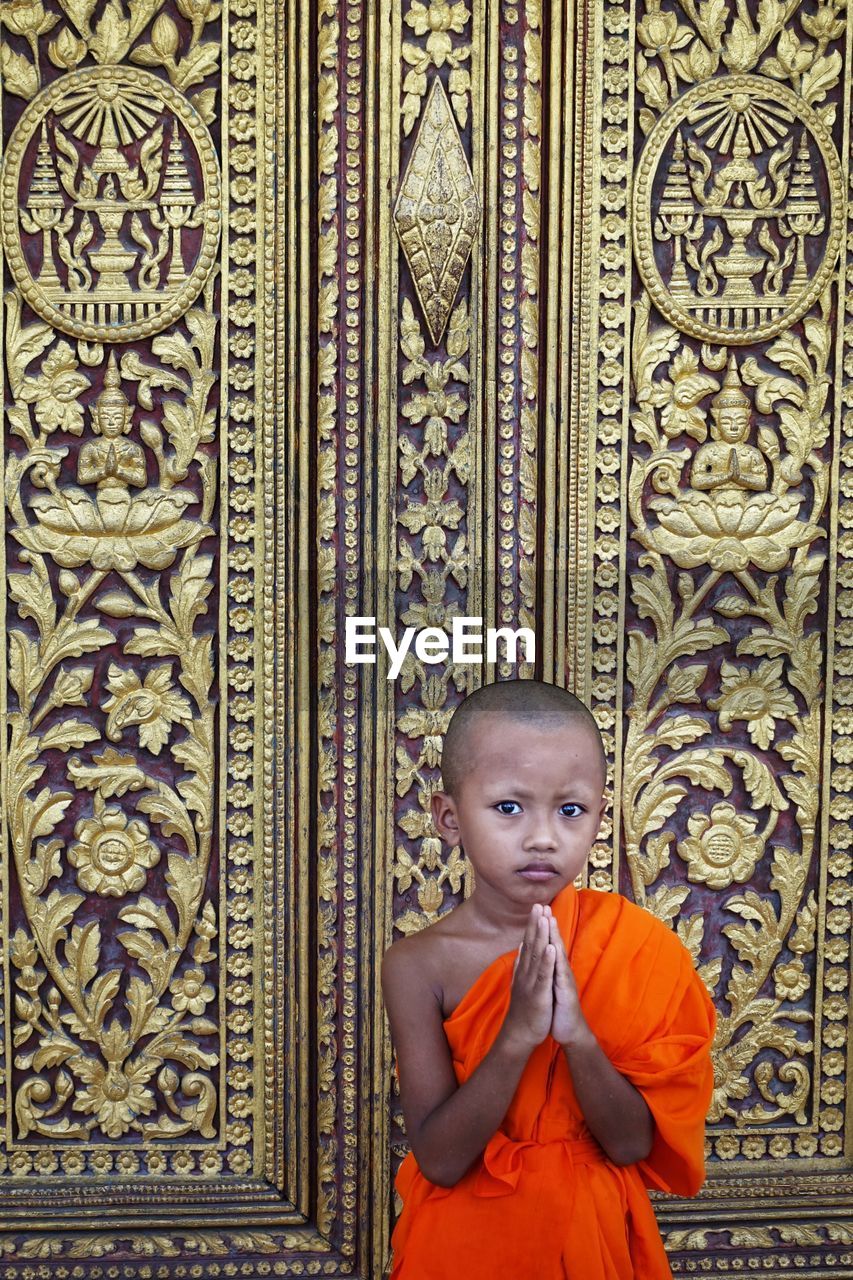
x=537, y=871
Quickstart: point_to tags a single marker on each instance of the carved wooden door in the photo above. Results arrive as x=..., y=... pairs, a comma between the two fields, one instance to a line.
x=409, y=311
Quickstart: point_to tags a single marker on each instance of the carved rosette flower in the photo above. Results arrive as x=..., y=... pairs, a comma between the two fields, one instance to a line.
x=790, y=980
x=721, y=847
x=112, y=854
x=115, y=1093
x=730, y=529
x=438, y=18
x=435, y=408
x=153, y=705
x=758, y=697
x=190, y=992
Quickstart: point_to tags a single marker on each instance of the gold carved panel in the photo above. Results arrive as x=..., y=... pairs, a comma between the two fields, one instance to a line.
x=433, y=309
x=710, y=608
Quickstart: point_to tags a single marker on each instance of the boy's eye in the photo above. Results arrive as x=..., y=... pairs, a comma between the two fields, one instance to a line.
x=576, y=810
x=508, y=806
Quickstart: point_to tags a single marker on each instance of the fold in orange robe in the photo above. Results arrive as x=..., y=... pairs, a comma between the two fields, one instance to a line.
x=543, y=1202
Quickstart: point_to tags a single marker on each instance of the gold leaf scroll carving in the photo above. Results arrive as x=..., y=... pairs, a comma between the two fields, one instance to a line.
x=110, y=205
x=83, y=1069
x=712, y=511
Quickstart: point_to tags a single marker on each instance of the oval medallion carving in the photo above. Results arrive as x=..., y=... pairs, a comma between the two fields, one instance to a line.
x=738, y=210
x=110, y=204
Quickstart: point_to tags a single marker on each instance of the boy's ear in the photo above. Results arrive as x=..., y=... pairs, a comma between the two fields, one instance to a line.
x=602, y=807
x=444, y=816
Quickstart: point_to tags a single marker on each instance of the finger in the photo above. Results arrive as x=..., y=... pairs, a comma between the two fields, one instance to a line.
x=524, y=947
x=532, y=953
x=557, y=940
x=563, y=974
x=531, y=928
x=540, y=933
x=546, y=967
x=556, y=937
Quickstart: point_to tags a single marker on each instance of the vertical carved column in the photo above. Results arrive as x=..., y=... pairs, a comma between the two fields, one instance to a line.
x=344, y=461
x=464, y=118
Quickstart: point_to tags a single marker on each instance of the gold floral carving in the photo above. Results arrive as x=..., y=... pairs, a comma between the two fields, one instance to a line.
x=129, y=646
x=722, y=846
x=432, y=552
x=111, y=854
x=436, y=19
x=72, y=1048
x=517, y=294
x=701, y=512
x=437, y=211
x=666, y=671
x=328, y=636
x=728, y=498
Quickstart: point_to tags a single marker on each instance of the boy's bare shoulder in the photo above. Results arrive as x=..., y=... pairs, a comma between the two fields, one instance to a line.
x=445, y=958
x=420, y=955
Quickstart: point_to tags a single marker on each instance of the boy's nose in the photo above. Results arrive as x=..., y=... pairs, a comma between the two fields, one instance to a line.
x=541, y=835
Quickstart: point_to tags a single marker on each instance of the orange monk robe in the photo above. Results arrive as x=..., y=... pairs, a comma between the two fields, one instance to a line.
x=543, y=1202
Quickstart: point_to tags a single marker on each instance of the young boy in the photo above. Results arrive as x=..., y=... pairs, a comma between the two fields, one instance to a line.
x=552, y=1044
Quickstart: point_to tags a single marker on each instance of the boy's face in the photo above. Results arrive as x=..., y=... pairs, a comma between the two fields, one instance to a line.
x=530, y=795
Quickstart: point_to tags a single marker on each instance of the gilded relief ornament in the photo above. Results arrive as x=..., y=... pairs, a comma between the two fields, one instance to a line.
x=152, y=704
x=111, y=854
x=109, y=202
x=731, y=510
x=721, y=847
x=437, y=211
x=738, y=209
x=104, y=1049
x=436, y=20
x=731, y=514
x=114, y=529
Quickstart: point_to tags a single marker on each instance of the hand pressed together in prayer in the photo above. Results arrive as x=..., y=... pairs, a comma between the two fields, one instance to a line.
x=544, y=1001
x=544, y=997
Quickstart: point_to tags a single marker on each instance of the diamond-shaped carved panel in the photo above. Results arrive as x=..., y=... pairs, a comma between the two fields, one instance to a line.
x=437, y=211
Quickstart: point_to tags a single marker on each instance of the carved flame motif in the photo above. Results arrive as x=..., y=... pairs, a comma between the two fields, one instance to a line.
x=437, y=211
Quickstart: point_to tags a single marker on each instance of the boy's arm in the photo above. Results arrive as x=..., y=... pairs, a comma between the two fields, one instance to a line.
x=615, y=1112
x=448, y=1125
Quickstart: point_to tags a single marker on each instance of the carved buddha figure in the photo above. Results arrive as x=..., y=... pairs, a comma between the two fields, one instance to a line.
x=112, y=462
x=727, y=461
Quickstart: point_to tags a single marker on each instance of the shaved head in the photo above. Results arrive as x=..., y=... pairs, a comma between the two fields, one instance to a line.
x=530, y=702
